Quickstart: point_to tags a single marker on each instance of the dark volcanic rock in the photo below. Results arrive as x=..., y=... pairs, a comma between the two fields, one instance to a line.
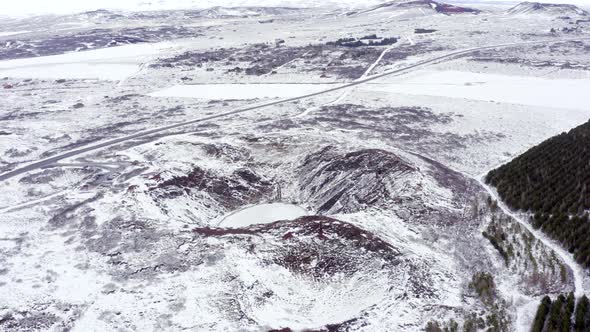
x=242, y=187
x=421, y=30
x=438, y=7
x=547, y=8
x=316, y=245
x=451, y=9
x=339, y=327
x=418, y=188
x=90, y=39
x=335, y=182
x=27, y=321
x=260, y=59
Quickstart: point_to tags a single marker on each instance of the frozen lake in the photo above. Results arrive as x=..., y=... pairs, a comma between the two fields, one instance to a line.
x=524, y=90
x=109, y=72
x=263, y=214
x=11, y=33
x=114, y=63
x=241, y=91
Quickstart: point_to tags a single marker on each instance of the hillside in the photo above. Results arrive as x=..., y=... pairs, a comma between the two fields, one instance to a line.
x=423, y=6
x=550, y=177
x=528, y=8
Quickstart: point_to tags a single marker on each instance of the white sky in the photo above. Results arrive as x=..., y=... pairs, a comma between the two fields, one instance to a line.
x=27, y=7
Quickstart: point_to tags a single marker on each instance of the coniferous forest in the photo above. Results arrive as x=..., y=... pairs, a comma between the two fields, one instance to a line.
x=552, y=182
x=562, y=314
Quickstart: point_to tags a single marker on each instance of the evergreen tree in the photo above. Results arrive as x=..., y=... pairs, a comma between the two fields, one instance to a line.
x=555, y=315
x=542, y=312
x=581, y=321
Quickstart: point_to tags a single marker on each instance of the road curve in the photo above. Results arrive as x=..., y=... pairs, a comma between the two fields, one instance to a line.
x=522, y=324
x=45, y=162
x=566, y=257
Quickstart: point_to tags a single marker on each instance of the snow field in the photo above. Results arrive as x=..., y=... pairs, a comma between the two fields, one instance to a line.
x=240, y=91
x=115, y=63
x=555, y=93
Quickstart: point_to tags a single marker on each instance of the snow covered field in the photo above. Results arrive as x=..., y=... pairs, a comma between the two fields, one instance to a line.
x=113, y=63
x=241, y=91
x=505, y=89
x=11, y=33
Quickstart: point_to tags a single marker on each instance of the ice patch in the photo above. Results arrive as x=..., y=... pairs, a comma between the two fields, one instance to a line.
x=263, y=214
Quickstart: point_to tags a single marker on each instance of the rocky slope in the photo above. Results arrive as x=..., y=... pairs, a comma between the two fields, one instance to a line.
x=424, y=6
x=549, y=9
x=336, y=181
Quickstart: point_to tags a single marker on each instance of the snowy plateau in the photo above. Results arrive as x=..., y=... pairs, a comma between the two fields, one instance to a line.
x=263, y=167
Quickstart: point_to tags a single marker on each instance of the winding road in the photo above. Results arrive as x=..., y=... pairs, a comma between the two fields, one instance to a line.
x=51, y=160
x=566, y=257
x=526, y=311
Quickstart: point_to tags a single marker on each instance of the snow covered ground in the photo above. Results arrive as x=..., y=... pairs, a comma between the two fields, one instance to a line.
x=381, y=216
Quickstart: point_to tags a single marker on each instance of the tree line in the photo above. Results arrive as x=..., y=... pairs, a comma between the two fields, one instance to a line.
x=551, y=177
x=552, y=181
x=573, y=232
